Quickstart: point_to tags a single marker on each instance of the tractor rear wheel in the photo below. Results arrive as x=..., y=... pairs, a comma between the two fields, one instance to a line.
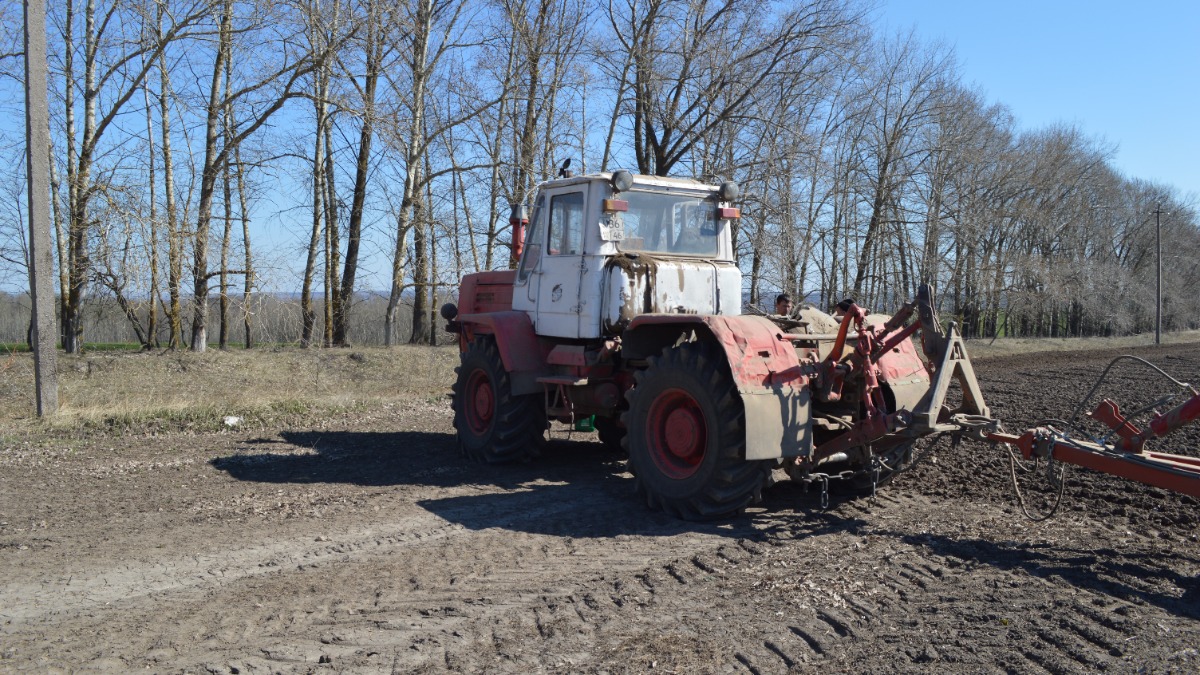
x=494, y=425
x=686, y=436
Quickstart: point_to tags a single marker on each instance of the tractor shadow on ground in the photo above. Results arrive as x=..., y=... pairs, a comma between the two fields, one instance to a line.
x=357, y=458
x=576, y=488
x=605, y=503
x=1134, y=577
x=414, y=458
x=609, y=506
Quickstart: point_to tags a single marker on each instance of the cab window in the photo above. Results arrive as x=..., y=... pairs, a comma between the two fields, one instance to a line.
x=671, y=223
x=566, y=224
x=534, y=243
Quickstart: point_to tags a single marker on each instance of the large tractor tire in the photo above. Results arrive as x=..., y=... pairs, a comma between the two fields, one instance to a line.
x=686, y=436
x=494, y=425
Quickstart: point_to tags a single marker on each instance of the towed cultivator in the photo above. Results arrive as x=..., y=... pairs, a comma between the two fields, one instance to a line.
x=1120, y=452
x=624, y=313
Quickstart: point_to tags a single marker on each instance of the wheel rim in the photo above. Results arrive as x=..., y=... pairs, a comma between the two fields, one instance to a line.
x=480, y=402
x=677, y=434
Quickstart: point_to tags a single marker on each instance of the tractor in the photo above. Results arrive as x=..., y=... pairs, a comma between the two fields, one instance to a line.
x=624, y=313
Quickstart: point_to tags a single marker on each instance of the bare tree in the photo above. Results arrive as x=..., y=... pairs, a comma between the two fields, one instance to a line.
x=866, y=168
x=321, y=29
x=175, y=234
x=696, y=64
x=153, y=236
x=375, y=18
x=248, y=272
x=905, y=94
x=265, y=94
x=433, y=31
x=110, y=79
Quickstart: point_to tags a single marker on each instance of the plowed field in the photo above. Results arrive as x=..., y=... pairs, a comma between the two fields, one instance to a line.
x=363, y=542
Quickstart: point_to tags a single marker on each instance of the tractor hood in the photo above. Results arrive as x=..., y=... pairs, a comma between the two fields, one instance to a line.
x=638, y=283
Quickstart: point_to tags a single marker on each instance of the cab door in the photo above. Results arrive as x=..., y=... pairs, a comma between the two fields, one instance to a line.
x=562, y=262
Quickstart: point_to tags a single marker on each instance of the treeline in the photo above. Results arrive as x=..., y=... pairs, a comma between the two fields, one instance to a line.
x=405, y=128
x=276, y=320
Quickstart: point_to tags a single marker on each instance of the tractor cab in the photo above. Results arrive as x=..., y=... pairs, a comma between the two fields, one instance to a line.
x=604, y=248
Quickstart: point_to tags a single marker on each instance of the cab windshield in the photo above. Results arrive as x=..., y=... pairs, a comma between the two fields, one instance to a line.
x=669, y=223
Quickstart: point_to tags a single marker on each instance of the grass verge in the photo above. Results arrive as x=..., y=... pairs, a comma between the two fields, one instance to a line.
x=148, y=391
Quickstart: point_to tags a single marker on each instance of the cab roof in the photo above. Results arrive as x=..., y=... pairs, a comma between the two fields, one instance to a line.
x=639, y=180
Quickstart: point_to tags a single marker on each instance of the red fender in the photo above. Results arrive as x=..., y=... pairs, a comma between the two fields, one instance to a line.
x=522, y=352
x=765, y=369
x=756, y=355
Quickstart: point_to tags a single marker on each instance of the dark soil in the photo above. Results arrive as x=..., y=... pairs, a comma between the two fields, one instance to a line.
x=362, y=542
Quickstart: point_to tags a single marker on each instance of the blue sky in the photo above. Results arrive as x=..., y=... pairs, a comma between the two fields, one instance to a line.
x=1128, y=73
x=1123, y=71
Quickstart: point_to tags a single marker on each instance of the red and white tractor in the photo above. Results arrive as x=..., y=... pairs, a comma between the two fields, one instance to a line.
x=625, y=311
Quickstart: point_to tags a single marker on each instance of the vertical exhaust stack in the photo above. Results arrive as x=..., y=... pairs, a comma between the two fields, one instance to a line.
x=518, y=218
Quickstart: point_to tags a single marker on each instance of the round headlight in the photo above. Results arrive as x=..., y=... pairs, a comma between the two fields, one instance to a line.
x=621, y=180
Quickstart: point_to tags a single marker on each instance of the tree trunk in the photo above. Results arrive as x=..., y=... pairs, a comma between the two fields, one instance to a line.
x=152, y=320
x=399, y=265
x=433, y=269
x=420, y=322
x=332, y=239
x=227, y=232
x=174, y=231
x=208, y=180
x=248, y=276
x=308, y=315
x=374, y=54
x=78, y=172
x=59, y=243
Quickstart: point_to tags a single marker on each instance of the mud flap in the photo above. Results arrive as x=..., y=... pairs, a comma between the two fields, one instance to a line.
x=777, y=422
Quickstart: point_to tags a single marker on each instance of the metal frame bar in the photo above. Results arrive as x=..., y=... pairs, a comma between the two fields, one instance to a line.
x=1172, y=472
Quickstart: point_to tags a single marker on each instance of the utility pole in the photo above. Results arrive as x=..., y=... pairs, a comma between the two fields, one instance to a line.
x=37, y=156
x=1158, y=275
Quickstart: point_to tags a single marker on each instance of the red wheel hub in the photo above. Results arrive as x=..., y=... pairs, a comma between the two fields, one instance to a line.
x=677, y=433
x=479, y=404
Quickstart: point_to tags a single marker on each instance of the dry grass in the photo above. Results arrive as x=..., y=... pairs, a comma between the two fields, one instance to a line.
x=181, y=388
x=1008, y=346
x=148, y=391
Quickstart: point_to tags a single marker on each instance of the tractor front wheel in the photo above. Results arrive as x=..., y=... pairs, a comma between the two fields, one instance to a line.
x=686, y=436
x=494, y=425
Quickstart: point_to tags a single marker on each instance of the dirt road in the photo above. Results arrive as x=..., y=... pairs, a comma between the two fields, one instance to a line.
x=362, y=542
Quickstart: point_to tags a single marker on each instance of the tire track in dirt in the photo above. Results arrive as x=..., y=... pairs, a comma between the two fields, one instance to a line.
x=530, y=590
x=924, y=606
x=22, y=602
x=515, y=535
x=421, y=562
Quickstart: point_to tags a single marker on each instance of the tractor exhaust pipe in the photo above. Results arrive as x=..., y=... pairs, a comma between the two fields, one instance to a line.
x=518, y=218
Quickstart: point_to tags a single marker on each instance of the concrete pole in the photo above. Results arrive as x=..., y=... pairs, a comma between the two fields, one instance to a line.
x=41, y=262
x=1157, y=277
